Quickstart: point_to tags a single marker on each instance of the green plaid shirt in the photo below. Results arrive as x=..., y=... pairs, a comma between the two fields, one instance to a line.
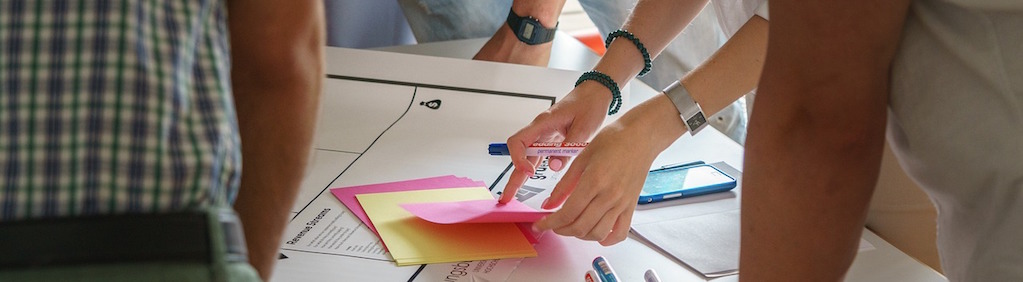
x=115, y=107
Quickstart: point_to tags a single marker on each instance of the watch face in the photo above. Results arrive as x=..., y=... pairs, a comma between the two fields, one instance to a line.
x=696, y=121
x=527, y=31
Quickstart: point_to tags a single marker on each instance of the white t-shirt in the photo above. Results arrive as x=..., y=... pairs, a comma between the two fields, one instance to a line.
x=956, y=125
x=732, y=14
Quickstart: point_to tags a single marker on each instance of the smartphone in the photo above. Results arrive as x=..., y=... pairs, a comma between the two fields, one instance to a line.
x=682, y=182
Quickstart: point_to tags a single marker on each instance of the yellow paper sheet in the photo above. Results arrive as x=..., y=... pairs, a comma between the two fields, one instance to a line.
x=412, y=240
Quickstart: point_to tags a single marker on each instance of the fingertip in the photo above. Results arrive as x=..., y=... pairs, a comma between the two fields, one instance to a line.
x=506, y=197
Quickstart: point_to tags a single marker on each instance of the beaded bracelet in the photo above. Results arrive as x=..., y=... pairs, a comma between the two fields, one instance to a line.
x=616, y=94
x=647, y=63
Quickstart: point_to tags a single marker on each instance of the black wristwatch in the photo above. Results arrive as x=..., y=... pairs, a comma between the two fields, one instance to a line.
x=529, y=30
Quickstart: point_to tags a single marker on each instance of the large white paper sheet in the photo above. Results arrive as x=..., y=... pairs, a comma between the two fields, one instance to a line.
x=354, y=113
x=386, y=128
x=469, y=271
x=325, y=227
x=323, y=167
x=305, y=266
x=393, y=137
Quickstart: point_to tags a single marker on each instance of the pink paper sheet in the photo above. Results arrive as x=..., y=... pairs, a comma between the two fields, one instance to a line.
x=477, y=211
x=347, y=196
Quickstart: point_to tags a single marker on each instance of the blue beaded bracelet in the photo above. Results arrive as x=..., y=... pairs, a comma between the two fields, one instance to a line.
x=647, y=62
x=616, y=94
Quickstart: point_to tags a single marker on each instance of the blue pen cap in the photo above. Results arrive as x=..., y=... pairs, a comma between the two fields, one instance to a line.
x=498, y=149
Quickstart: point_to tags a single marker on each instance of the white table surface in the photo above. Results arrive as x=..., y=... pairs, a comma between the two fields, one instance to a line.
x=632, y=257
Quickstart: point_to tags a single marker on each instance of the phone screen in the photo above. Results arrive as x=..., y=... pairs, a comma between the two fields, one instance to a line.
x=683, y=178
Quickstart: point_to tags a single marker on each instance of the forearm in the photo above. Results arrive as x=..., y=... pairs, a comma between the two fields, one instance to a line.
x=655, y=23
x=805, y=200
x=656, y=121
x=814, y=144
x=729, y=73
x=277, y=71
x=732, y=71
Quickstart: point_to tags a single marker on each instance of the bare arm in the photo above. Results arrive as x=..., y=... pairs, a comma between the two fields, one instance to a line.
x=610, y=172
x=277, y=67
x=505, y=47
x=656, y=23
x=580, y=114
x=729, y=73
x=815, y=139
x=732, y=71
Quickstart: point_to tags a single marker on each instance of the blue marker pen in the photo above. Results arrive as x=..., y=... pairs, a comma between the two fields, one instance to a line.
x=607, y=274
x=569, y=149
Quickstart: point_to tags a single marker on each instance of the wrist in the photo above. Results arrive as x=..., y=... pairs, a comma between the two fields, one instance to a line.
x=596, y=92
x=626, y=35
x=687, y=107
x=643, y=147
x=504, y=46
x=526, y=36
x=544, y=11
x=609, y=84
x=509, y=39
x=656, y=121
x=619, y=63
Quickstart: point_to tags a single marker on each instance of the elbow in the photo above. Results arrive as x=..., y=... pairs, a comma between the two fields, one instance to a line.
x=843, y=132
x=830, y=114
x=853, y=127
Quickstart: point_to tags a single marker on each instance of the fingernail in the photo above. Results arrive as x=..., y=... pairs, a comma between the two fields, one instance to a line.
x=544, y=204
x=555, y=164
x=535, y=229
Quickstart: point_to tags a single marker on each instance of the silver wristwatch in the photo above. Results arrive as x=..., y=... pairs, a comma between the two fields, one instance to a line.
x=688, y=109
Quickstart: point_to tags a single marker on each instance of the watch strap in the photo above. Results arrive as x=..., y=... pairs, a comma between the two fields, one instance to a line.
x=529, y=30
x=688, y=109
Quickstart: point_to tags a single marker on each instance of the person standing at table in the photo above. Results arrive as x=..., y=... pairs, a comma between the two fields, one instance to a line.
x=126, y=124
x=901, y=214
x=948, y=75
x=731, y=72
x=815, y=140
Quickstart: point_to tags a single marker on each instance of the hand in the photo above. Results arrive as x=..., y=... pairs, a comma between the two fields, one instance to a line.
x=505, y=47
x=573, y=119
x=604, y=184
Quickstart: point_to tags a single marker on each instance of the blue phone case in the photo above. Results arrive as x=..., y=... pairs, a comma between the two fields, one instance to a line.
x=688, y=192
